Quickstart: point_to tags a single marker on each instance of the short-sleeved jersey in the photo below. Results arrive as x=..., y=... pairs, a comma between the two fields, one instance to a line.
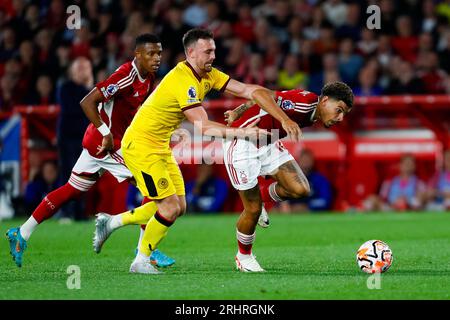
x=123, y=93
x=299, y=105
x=180, y=90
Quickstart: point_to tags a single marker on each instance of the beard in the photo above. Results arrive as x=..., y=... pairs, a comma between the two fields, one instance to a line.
x=207, y=67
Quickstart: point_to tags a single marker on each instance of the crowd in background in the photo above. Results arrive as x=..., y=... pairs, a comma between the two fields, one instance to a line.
x=276, y=43
x=279, y=44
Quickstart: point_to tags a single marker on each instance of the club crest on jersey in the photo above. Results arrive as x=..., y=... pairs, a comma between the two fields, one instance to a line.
x=192, y=93
x=244, y=178
x=110, y=90
x=163, y=183
x=287, y=105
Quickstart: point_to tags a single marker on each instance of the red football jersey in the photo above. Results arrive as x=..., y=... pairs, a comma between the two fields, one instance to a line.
x=299, y=105
x=123, y=93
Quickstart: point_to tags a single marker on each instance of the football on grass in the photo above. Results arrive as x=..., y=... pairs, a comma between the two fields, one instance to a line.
x=374, y=256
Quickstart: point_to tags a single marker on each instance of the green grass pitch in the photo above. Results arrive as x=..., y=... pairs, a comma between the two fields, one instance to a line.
x=306, y=257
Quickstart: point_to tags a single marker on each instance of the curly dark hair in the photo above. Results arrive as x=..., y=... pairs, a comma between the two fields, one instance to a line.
x=146, y=38
x=338, y=91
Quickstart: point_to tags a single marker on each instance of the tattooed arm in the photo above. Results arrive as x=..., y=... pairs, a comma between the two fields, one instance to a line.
x=233, y=115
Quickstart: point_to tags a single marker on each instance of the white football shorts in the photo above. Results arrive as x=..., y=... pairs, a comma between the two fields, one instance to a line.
x=88, y=165
x=245, y=161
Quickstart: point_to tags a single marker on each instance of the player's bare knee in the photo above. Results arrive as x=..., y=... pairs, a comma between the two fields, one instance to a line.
x=253, y=208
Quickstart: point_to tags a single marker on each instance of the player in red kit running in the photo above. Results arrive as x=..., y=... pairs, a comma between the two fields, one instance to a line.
x=110, y=107
x=246, y=160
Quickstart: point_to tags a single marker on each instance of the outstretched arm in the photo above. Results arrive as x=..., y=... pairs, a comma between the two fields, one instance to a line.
x=264, y=98
x=199, y=118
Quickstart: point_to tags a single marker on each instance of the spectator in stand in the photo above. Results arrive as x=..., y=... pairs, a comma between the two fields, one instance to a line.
x=349, y=63
x=56, y=15
x=388, y=16
x=326, y=42
x=443, y=9
x=196, y=14
x=403, y=192
x=7, y=96
x=113, y=54
x=274, y=51
x=308, y=60
x=321, y=195
x=173, y=29
x=8, y=46
x=105, y=24
x=368, y=43
x=45, y=54
x=279, y=21
x=290, y=77
x=405, y=80
x=329, y=71
x=439, y=187
x=271, y=77
x=12, y=85
x=230, y=11
x=384, y=51
x=444, y=51
x=368, y=86
x=43, y=94
x=72, y=124
x=336, y=12
x=45, y=180
x=261, y=31
x=81, y=42
x=255, y=72
x=32, y=20
x=243, y=27
x=236, y=61
x=295, y=35
x=207, y=193
x=431, y=75
x=27, y=59
x=405, y=43
x=213, y=21
x=97, y=56
x=429, y=18
x=312, y=30
x=352, y=27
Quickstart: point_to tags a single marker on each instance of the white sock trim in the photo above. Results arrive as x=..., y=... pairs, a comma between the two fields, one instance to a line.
x=80, y=183
x=245, y=238
x=116, y=221
x=28, y=227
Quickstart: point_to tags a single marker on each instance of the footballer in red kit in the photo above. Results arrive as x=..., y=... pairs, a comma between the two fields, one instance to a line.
x=110, y=107
x=246, y=160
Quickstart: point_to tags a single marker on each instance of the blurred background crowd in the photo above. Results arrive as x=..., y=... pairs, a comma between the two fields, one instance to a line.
x=279, y=44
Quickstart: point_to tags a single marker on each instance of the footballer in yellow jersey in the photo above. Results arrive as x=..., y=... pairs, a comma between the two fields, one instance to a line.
x=146, y=149
x=163, y=111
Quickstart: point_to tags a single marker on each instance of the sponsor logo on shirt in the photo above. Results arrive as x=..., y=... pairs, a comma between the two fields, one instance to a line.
x=191, y=92
x=110, y=90
x=287, y=105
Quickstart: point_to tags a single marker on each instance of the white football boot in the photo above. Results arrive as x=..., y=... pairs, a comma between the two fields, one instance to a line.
x=102, y=230
x=247, y=263
x=263, y=220
x=143, y=267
